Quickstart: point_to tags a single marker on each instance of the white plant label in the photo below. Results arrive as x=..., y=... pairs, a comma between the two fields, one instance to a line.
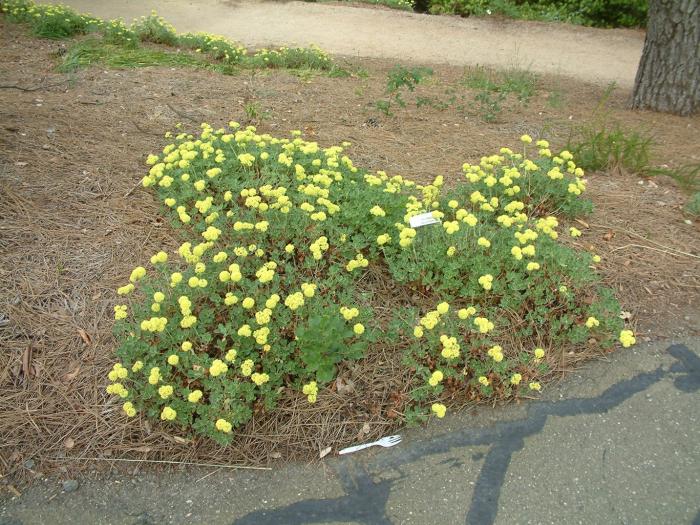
x=422, y=220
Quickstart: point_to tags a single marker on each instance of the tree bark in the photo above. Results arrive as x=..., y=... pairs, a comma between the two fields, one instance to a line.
x=668, y=78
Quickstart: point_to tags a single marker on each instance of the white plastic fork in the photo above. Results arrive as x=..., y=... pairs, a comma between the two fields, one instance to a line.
x=388, y=441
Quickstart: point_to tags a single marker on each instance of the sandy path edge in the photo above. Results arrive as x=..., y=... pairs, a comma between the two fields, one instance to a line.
x=594, y=55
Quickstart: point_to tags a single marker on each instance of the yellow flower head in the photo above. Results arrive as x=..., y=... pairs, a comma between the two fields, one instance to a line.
x=438, y=409
x=168, y=414
x=194, y=396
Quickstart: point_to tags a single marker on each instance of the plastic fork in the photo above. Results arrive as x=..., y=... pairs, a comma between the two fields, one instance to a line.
x=388, y=441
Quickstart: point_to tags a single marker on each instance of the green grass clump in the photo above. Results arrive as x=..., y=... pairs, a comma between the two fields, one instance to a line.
x=693, y=205
x=92, y=51
x=288, y=250
x=495, y=87
x=600, y=146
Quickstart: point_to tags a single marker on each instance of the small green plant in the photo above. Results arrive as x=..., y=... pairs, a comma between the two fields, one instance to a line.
x=494, y=87
x=687, y=176
x=606, y=146
x=490, y=104
x=326, y=340
x=384, y=106
x=155, y=29
x=398, y=80
x=116, y=32
x=693, y=205
x=254, y=111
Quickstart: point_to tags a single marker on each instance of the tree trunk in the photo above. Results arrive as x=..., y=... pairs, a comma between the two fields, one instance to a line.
x=668, y=78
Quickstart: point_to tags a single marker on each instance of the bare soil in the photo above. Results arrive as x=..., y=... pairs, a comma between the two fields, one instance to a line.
x=74, y=222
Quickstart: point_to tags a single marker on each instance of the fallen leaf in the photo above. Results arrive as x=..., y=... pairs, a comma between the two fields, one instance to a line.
x=69, y=443
x=70, y=376
x=583, y=223
x=85, y=336
x=325, y=452
x=608, y=236
x=27, y=368
x=276, y=455
x=181, y=440
x=344, y=386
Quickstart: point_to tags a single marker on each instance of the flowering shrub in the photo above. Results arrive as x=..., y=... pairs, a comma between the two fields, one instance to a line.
x=267, y=292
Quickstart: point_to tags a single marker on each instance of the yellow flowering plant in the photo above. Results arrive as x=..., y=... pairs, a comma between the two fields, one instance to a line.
x=57, y=21
x=269, y=294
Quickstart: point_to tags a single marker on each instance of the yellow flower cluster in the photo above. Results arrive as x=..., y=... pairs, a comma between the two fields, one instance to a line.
x=483, y=324
x=319, y=246
x=358, y=262
x=435, y=378
x=438, y=409
x=117, y=389
x=450, y=347
x=165, y=391
x=592, y=322
x=627, y=338
x=349, y=313
x=259, y=379
x=247, y=367
x=129, y=409
x=496, y=353
x=217, y=368
x=195, y=396
x=311, y=391
x=154, y=376
x=294, y=301
x=223, y=426
x=486, y=281
x=168, y=414
x=154, y=324
x=118, y=372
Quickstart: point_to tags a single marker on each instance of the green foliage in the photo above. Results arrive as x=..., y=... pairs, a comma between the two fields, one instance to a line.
x=115, y=32
x=495, y=87
x=686, y=176
x=398, y=80
x=602, y=146
x=92, y=51
x=600, y=13
x=49, y=21
x=254, y=111
x=326, y=340
x=217, y=52
x=693, y=205
x=155, y=29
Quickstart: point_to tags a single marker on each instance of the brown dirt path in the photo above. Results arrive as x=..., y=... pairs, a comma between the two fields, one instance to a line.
x=594, y=55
